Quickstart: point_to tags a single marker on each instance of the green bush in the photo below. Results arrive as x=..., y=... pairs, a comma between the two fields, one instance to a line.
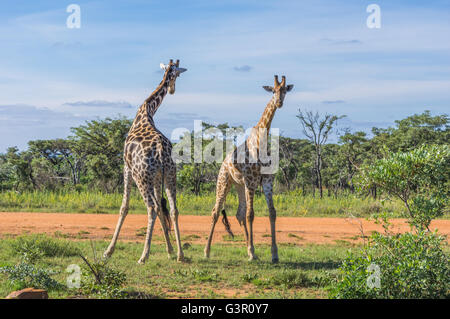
x=410, y=266
x=102, y=281
x=25, y=275
x=419, y=178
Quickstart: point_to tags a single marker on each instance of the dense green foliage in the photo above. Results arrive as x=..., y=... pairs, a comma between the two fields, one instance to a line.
x=25, y=275
x=91, y=159
x=410, y=265
x=419, y=178
x=30, y=250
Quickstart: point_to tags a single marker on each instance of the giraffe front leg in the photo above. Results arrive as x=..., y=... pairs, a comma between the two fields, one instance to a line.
x=267, y=188
x=215, y=217
x=222, y=188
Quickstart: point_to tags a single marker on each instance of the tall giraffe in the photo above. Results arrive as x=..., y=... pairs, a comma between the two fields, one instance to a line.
x=148, y=161
x=246, y=175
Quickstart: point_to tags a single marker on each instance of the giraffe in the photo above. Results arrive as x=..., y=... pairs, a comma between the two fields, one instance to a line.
x=148, y=161
x=247, y=176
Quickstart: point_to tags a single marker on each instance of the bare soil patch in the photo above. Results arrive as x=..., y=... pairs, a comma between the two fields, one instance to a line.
x=194, y=229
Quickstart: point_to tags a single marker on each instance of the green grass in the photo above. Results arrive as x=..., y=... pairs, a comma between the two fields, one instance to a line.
x=303, y=272
x=287, y=204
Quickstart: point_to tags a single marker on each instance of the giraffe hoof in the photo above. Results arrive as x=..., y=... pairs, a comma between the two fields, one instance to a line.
x=252, y=258
x=141, y=261
x=275, y=260
x=180, y=259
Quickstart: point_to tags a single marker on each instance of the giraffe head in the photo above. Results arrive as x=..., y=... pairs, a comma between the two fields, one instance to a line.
x=172, y=71
x=279, y=90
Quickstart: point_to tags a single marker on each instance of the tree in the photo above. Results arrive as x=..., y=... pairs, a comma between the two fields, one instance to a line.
x=101, y=142
x=21, y=165
x=419, y=178
x=318, y=130
x=413, y=131
x=355, y=149
x=62, y=154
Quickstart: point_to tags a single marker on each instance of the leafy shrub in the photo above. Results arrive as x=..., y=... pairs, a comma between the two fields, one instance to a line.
x=103, y=281
x=25, y=275
x=410, y=266
x=419, y=178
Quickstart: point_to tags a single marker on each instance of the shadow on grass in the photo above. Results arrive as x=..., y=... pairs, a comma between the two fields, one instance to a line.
x=141, y=295
x=311, y=265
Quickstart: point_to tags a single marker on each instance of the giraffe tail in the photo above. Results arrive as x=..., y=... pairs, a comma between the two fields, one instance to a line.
x=166, y=214
x=165, y=211
x=226, y=223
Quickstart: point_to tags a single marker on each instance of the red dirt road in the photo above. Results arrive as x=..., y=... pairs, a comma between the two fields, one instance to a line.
x=298, y=230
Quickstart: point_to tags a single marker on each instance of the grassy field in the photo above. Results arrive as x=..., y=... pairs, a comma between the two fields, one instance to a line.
x=303, y=271
x=292, y=204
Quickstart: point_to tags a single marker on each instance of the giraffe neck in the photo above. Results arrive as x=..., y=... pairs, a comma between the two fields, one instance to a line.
x=267, y=116
x=152, y=103
x=253, y=141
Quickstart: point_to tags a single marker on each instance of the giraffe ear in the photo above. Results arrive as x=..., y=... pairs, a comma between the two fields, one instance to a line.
x=289, y=87
x=163, y=66
x=268, y=88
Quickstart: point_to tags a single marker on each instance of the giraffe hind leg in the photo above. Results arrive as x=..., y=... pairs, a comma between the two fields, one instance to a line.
x=170, y=182
x=147, y=191
x=165, y=225
x=241, y=211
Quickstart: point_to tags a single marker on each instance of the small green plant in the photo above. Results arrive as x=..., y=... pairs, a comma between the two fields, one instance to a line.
x=291, y=279
x=29, y=252
x=25, y=275
x=197, y=274
x=141, y=232
x=100, y=280
x=249, y=277
x=236, y=238
x=291, y=235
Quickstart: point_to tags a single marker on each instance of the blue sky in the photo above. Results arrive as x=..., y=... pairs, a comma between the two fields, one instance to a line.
x=53, y=77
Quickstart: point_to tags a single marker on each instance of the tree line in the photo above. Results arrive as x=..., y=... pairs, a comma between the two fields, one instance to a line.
x=91, y=157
